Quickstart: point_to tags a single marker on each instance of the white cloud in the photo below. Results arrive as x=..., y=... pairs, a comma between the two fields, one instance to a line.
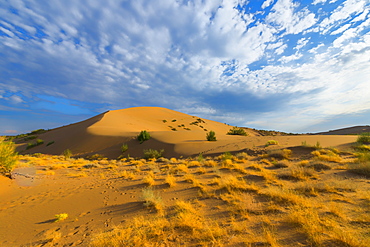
x=7, y=32
x=342, y=13
x=341, y=29
x=267, y=3
x=318, y=2
x=15, y=99
x=284, y=15
x=301, y=43
x=287, y=59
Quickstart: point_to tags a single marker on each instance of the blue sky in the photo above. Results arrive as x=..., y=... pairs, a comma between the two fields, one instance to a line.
x=295, y=66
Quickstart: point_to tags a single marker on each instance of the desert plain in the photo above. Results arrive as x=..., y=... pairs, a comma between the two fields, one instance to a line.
x=258, y=189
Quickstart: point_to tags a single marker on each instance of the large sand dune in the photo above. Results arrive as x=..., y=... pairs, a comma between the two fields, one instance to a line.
x=177, y=133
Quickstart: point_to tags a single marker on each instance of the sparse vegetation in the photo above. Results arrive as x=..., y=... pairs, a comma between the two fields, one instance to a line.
x=152, y=200
x=153, y=154
x=124, y=148
x=364, y=138
x=280, y=154
x=8, y=157
x=237, y=131
x=61, y=217
x=143, y=136
x=316, y=146
x=37, y=143
x=170, y=180
x=50, y=143
x=265, y=198
x=67, y=154
x=211, y=136
x=271, y=142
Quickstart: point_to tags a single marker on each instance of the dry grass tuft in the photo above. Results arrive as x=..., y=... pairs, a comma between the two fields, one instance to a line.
x=327, y=155
x=297, y=173
x=153, y=200
x=127, y=175
x=170, y=180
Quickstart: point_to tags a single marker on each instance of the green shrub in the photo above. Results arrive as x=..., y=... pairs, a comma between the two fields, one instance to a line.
x=95, y=157
x=363, y=156
x=153, y=154
x=30, y=145
x=364, y=138
x=124, y=148
x=237, y=131
x=49, y=143
x=27, y=138
x=8, y=156
x=143, y=136
x=67, y=154
x=200, y=157
x=211, y=136
x=39, y=142
x=271, y=142
x=226, y=156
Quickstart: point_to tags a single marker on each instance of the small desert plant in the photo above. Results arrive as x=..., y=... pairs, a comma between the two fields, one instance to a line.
x=280, y=154
x=67, y=154
x=200, y=157
x=127, y=175
x=39, y=142
x=271, y=142
x=361, y=169
x=49, y=143
x=152, y=200
x=317, y=145
x=153, y=154
x=8, y=156
x=170, y=180
x=60, y=217
x=237, y=131
x=182, y=168
x=327, y=155
x=211, y=136
x=95, y=157
x=149, y=180
x=364, y=138
x=362, y=148
x=124, y=148
x=226, y=156
x=281, y=164
x=143, y=136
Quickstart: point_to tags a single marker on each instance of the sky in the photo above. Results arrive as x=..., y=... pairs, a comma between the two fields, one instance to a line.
x=287, y=65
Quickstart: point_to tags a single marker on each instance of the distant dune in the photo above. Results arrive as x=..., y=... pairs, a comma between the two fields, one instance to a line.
x=178, y=134
x=355, y=130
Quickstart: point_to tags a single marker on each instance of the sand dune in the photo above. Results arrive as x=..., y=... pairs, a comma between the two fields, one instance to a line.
x=355, y=130
x=177, y=133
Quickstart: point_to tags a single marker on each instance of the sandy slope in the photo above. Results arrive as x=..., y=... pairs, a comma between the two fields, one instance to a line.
x=177, y=133
x=347, y=131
